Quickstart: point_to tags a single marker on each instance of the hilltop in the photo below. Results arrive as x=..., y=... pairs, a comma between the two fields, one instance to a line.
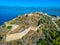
x=31, y=29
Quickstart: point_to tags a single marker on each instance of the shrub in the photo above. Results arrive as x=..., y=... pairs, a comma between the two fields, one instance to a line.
x=1, y=38
x=9, y=27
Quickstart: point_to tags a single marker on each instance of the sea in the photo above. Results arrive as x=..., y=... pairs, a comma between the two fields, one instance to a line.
x=9, y=12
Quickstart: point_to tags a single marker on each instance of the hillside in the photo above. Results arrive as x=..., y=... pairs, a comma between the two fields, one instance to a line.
x=31, y=29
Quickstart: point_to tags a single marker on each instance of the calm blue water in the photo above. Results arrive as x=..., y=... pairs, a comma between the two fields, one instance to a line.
x=8, y=13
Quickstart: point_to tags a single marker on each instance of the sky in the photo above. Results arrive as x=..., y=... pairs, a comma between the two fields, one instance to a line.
x=30, y=3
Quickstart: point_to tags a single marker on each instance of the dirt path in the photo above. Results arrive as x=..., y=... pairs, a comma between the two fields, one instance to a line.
x=17, y=35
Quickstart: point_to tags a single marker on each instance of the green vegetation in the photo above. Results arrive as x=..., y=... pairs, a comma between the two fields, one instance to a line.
x=1, y=38
x=9, y=27
x=3, y=25
x=42, y=42
x=46, y=34
x=37, y=30
x=12, y=23
x=52, y=37
x=58, y=23
x=45, y=19
x=26, y=15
